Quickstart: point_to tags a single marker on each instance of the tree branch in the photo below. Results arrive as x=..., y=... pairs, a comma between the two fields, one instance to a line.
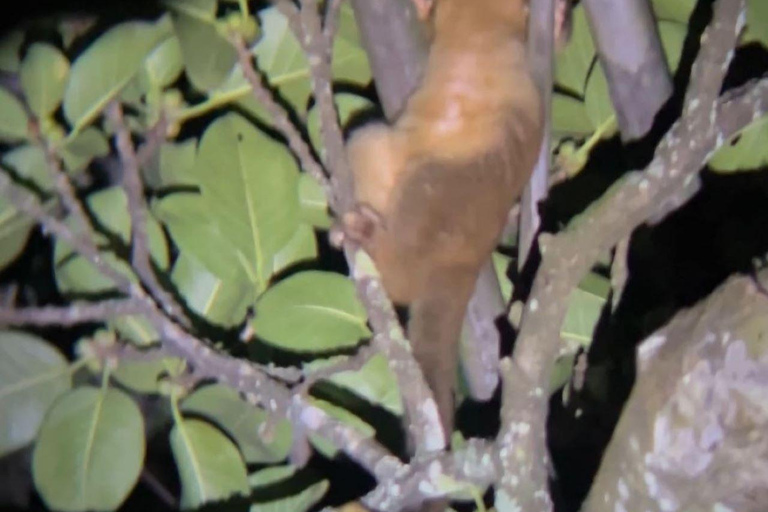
x=73, y=314
x=137, y=209
x=635, y=199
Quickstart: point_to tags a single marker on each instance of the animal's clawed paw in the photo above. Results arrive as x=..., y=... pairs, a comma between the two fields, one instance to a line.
x=358, y=226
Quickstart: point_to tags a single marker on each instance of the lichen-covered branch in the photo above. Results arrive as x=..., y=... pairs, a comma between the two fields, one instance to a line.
x=72, y=314
x=638, y=78
x=137, y=210
x=697, y=413
x=667, y=182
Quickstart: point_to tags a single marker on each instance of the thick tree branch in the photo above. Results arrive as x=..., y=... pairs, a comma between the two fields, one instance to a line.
x=696, y=413
x=639, y=197
x=638, y=79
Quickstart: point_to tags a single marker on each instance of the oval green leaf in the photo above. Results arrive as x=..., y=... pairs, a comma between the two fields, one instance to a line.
x=75, y=274
x=249, y=183
x=44, y=74
x=757, y=22
x=569, y=116
x=301, y=247
x=220, y=302
x=196, y=234
x=33, y=374
x=210, y=466
x=105, y=67
x=584, y=309
x=350, y=62
x=311, y=312
x=172, y=165
x=13, y=122
x=747, y=150
x=90, y=451
x=224, y=407
x=324, y=446
x=208, y=56
x=10, y=44
x=301, y=502
x=82, y=149
x=15, y=228
x=375, y=382
x=165, y=63
x=574, y=62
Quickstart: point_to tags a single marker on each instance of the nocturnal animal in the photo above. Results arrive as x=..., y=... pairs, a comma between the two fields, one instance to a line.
x=433, y=190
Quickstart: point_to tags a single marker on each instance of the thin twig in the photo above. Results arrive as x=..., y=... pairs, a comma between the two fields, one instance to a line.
x=280, y=117
x=331, y=23
x=73, y=314
x=318, y=49
x=137, y=209
x=27, y=203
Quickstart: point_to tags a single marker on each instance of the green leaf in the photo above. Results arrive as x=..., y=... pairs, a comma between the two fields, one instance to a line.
x=562, y=371
x=271, y=475
x=13, y=122
x=187, y=218
x=598, y=98
x=201, y=9
x=44, y=74
x=172, y=165
x=311, y=312
x=243, y=422
x=672, y=38
x=106, y=67
x=165, y=63
x=210, y=467
x=584, y=309
x=82, y=149
x=220, y=302
x=569, y=116
x=757, y=22
x=90, y=451
x=281, y=58
x=747, y=150
x=143, y=376
x=344, y=416
x=208, y=56
x=15, y=228
x=301, y=247
x=301, y=502
x=10, y=45
x=75, y=274
x=136, y=329
x=500, y=264
x=375, y=382
x=574, y=62
x=249, y=183
x=314, y=203
x=33, y=374
x=674, y=10
x=350, y=62
x=28, y=161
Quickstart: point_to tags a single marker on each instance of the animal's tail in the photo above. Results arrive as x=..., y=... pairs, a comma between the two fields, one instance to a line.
x=434, y=329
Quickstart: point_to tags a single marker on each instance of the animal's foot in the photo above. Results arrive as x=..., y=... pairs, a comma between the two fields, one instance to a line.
x=357, y=226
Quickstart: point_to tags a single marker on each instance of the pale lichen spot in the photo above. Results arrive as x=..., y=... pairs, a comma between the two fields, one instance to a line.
x=623, y=489
x=667, y=505
x=312, y=417
x=534, y=305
